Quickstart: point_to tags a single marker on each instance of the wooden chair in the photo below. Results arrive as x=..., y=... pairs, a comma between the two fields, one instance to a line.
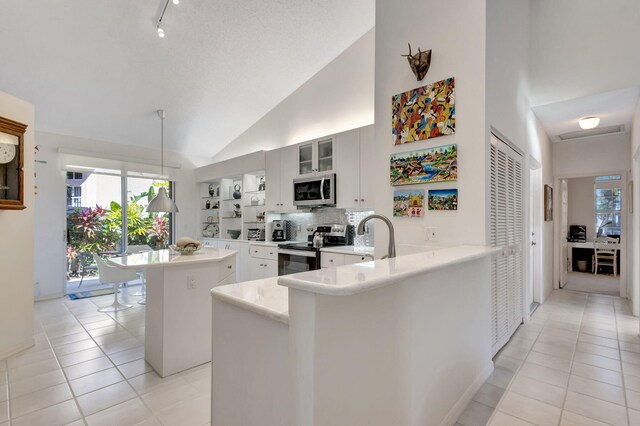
x=605, y=253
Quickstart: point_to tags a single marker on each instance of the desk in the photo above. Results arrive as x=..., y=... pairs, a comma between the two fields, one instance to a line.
x=583, y=251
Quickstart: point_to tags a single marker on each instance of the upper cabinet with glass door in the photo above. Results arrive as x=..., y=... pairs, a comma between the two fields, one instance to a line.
x=316, y=157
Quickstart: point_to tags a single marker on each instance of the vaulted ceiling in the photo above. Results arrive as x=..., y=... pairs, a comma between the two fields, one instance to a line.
x=97, y=69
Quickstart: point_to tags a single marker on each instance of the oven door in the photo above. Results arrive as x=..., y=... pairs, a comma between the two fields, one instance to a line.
x=294, y=261
x=315, y=191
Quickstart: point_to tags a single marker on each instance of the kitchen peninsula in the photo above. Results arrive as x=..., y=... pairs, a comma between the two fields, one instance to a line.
x=178, y=311
x=394, y=341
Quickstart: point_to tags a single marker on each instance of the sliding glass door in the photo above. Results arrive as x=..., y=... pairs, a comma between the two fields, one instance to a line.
x=97, y=223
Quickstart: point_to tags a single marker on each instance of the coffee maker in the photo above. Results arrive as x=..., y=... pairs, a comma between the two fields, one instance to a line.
x=279, y=230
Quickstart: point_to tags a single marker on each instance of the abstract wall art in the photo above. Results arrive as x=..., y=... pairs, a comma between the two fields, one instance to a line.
x=438, y=164
x=408, y=203
x=424, y=113
x=443, y=199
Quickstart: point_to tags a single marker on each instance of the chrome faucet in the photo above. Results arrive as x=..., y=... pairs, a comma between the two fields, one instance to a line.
x=391, y=251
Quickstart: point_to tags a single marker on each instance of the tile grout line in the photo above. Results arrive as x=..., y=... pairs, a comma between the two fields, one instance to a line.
x=624, y=387
x=566, y=393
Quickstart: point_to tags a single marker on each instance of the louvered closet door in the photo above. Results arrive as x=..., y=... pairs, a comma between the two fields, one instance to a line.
x=506, y=228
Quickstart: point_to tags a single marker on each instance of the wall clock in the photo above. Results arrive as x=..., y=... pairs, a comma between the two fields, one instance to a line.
x=11, y=164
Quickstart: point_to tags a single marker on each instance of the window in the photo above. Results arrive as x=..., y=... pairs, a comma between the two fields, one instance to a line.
x=74, y=196
x=608, y=209
x=608, y=178
x=74, y=175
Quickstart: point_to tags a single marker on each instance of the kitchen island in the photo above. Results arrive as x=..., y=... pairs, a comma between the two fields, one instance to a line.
x=178, y=309
x=401, y=341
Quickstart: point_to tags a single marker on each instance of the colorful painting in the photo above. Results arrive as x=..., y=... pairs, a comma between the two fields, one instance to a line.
x=438, y=164
x=408, y=203
x=424, y=113
x=443, y=199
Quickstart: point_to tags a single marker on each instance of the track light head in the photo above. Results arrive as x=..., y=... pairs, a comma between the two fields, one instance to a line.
x=160, y=32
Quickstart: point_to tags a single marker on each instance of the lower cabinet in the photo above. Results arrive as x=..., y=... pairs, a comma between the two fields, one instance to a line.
x=242, y=257
x=328, y=260
x=263, y=261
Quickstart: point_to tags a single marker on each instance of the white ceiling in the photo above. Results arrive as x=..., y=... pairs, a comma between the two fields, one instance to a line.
x=97, y=69
x=613, y=108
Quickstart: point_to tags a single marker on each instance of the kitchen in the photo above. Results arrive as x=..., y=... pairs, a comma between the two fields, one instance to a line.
x=272, y=205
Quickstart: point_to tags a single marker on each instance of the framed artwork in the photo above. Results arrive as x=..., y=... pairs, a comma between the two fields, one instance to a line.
x=408, y=203
x=424, y=113
x=11, y=164
x=548, y=203
x=443, y=199
x=438, y=164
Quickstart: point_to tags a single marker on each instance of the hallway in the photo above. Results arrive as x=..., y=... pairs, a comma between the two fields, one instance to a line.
x=577, y=362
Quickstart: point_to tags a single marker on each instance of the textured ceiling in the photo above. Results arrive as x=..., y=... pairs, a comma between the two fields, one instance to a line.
x=97, y=69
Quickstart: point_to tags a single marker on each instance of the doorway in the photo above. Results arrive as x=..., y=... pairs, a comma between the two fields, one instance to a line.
x=106, y=214
x=595, y=219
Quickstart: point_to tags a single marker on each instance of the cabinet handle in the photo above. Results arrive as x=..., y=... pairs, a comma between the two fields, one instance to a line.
x=362, y=199
x=356, y=200
x=331, y=260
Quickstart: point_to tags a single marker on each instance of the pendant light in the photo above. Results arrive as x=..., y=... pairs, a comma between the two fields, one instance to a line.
x=162, y=202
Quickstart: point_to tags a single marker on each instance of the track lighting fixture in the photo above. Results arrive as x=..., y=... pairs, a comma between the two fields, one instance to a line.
x=164, y=10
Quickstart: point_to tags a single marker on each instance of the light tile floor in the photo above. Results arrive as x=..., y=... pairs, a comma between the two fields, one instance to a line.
x=577, y=362
x=87, y=368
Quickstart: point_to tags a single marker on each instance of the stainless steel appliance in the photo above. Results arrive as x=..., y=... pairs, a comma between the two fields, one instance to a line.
x=303, y=256
x=315, y=191
x=255, y=234
x=279, y=230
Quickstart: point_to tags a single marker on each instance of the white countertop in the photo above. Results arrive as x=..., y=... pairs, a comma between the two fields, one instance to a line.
x=364, y=276
x=359, y=251
x=158, y=258
x=264, y=297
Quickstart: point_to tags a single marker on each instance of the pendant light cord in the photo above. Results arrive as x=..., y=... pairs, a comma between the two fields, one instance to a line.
x=161, y=113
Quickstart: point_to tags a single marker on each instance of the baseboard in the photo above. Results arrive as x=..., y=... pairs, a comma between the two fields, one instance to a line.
x=465, y=399
x=17, y=348
x=49, y=297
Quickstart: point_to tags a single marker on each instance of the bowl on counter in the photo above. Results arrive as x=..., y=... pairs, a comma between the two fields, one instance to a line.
x=190, y=249
x=234, y=233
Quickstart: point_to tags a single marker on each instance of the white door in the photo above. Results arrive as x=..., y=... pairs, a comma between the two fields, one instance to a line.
x=506, y=232
x=367, y=147
x=257, y=268
x=535, y=239
x=272, y=179
x=564, y=226
x=288, y=158
x=348, y=169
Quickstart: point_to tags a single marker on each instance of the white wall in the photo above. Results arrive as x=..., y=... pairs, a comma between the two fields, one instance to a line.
x=458, y=51
x=50, y=213
x=507, y=68
x=338, y=98
x=582, y=204
x=16, y=245
x=583, y=47
x=539, y=147
x=591, y=156
x=634, y=252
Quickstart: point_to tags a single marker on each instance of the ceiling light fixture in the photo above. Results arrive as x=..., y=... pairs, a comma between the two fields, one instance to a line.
x=164, y=10
x=162, y=202
x=587, y=123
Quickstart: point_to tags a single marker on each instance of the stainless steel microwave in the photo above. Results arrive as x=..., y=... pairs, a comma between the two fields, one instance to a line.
x=315, y=191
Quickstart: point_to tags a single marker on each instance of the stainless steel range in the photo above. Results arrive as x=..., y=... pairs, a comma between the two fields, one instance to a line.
x=303, y=256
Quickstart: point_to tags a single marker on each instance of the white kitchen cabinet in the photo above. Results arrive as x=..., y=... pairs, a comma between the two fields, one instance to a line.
x=263, y=261
x=316, y=157
x=354, y=152
x=279, y=175
x=242, y=257
x=350, y=259
x=328, y=259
